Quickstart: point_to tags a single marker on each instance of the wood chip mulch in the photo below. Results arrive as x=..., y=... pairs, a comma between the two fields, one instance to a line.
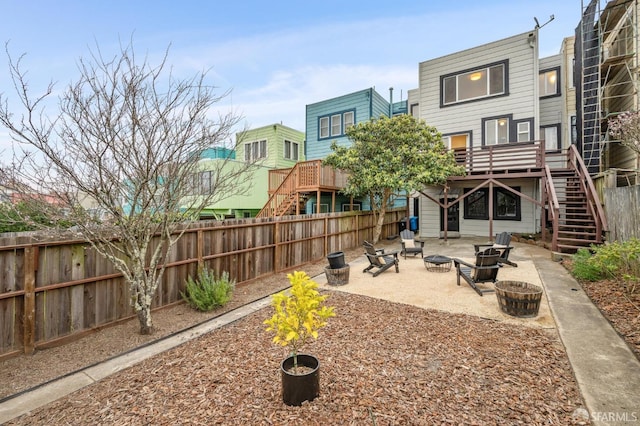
x=382, y=363
x=620, y=307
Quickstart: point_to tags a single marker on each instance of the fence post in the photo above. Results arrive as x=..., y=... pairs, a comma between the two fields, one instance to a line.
x=276, y=250
x=200, y=248
x=326, y=236
x=29, y=325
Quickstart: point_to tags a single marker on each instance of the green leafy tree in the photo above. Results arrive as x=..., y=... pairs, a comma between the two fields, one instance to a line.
x=391, y=157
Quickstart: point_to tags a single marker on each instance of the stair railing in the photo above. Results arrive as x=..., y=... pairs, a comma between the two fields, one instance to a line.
x=593, y=200
x=554, y=207
x=283, y=195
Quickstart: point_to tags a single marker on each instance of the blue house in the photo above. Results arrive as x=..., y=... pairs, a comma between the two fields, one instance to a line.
x=328, y=120
x=310, y=187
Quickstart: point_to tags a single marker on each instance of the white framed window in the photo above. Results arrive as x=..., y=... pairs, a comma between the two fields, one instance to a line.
x=548, y=82
x=487, y=81
x=324, y=127
x=254, y=151
x=496, y=131
x=346, y=207
x=551, y=137
x=290, y=150
x=348, y=119
x=523, y=131
x=324, y=208
x=336, y=125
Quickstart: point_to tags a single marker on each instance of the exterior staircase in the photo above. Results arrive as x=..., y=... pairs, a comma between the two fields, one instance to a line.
x=576, y=226
x=289, y=188
x=576, y=212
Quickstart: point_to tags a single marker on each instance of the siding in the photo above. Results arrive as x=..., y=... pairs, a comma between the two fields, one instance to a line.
x=569, y=90
x=522, y=85
x=274, y=134
x=366, y=103
x=551, y=108
x=528, y=223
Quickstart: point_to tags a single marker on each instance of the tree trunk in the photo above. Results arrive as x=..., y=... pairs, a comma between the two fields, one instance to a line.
x=144, y=318
x=379, y=223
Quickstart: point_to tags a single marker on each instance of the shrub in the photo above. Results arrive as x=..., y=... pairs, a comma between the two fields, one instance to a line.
x=583, y=267
x=208, y=291
x=619, y=261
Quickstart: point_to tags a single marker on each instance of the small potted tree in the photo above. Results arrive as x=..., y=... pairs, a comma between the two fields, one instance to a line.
x=299, y=314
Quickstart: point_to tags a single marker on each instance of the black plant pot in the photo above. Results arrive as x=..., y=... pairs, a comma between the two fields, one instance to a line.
x=297, y=388
x=336, y=260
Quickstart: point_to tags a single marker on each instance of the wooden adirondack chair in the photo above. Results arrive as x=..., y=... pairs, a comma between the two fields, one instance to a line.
x=483, y=271
x=379, y=261
x=410, y=245
x=501, y=244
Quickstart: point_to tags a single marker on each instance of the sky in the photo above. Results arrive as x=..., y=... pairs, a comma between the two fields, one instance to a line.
x=272, y=57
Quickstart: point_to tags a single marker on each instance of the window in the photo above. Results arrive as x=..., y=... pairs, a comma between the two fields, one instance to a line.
x=457, y=142
x=523, y=132
x=574, y=130
x=335, y=124
x=476, y=205
x=551, y=137
x=487, y=81
x=414, y=110
x=549, y=83
x=506, y=204
x=291, y=150
x=254, y=151
x=346, y=207
x=202, y=183
x=324, y=127
x=496, y=130
x=348, y=119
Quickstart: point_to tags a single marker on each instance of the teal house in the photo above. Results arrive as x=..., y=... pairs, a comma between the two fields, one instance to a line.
x=327, y=121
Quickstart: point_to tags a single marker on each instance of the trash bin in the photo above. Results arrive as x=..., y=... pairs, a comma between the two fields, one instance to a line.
x=402, y=225
x=336, y=260
x=413, y=223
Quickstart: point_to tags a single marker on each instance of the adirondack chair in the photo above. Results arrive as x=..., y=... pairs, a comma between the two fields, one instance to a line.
x=379, y=260
x=484, y=270
x=410, y=245
x=501, y=244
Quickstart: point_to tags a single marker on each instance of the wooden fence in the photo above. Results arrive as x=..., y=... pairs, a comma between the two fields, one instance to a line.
x=52, y=292
x=623, y=212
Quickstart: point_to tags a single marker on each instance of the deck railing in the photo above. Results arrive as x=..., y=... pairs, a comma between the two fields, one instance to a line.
x=503, y=157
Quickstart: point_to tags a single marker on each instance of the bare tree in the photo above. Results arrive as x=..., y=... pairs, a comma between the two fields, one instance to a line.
x=129, y=136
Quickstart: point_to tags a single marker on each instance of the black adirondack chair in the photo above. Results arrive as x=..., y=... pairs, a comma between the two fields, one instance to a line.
x=485, y=270
x=379, y=261
x=410, y=245
x=501, y=244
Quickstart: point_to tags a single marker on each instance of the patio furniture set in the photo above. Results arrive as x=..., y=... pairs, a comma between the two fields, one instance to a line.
x=489, y=260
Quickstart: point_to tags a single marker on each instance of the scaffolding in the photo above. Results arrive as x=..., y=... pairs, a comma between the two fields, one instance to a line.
x=607, y=74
